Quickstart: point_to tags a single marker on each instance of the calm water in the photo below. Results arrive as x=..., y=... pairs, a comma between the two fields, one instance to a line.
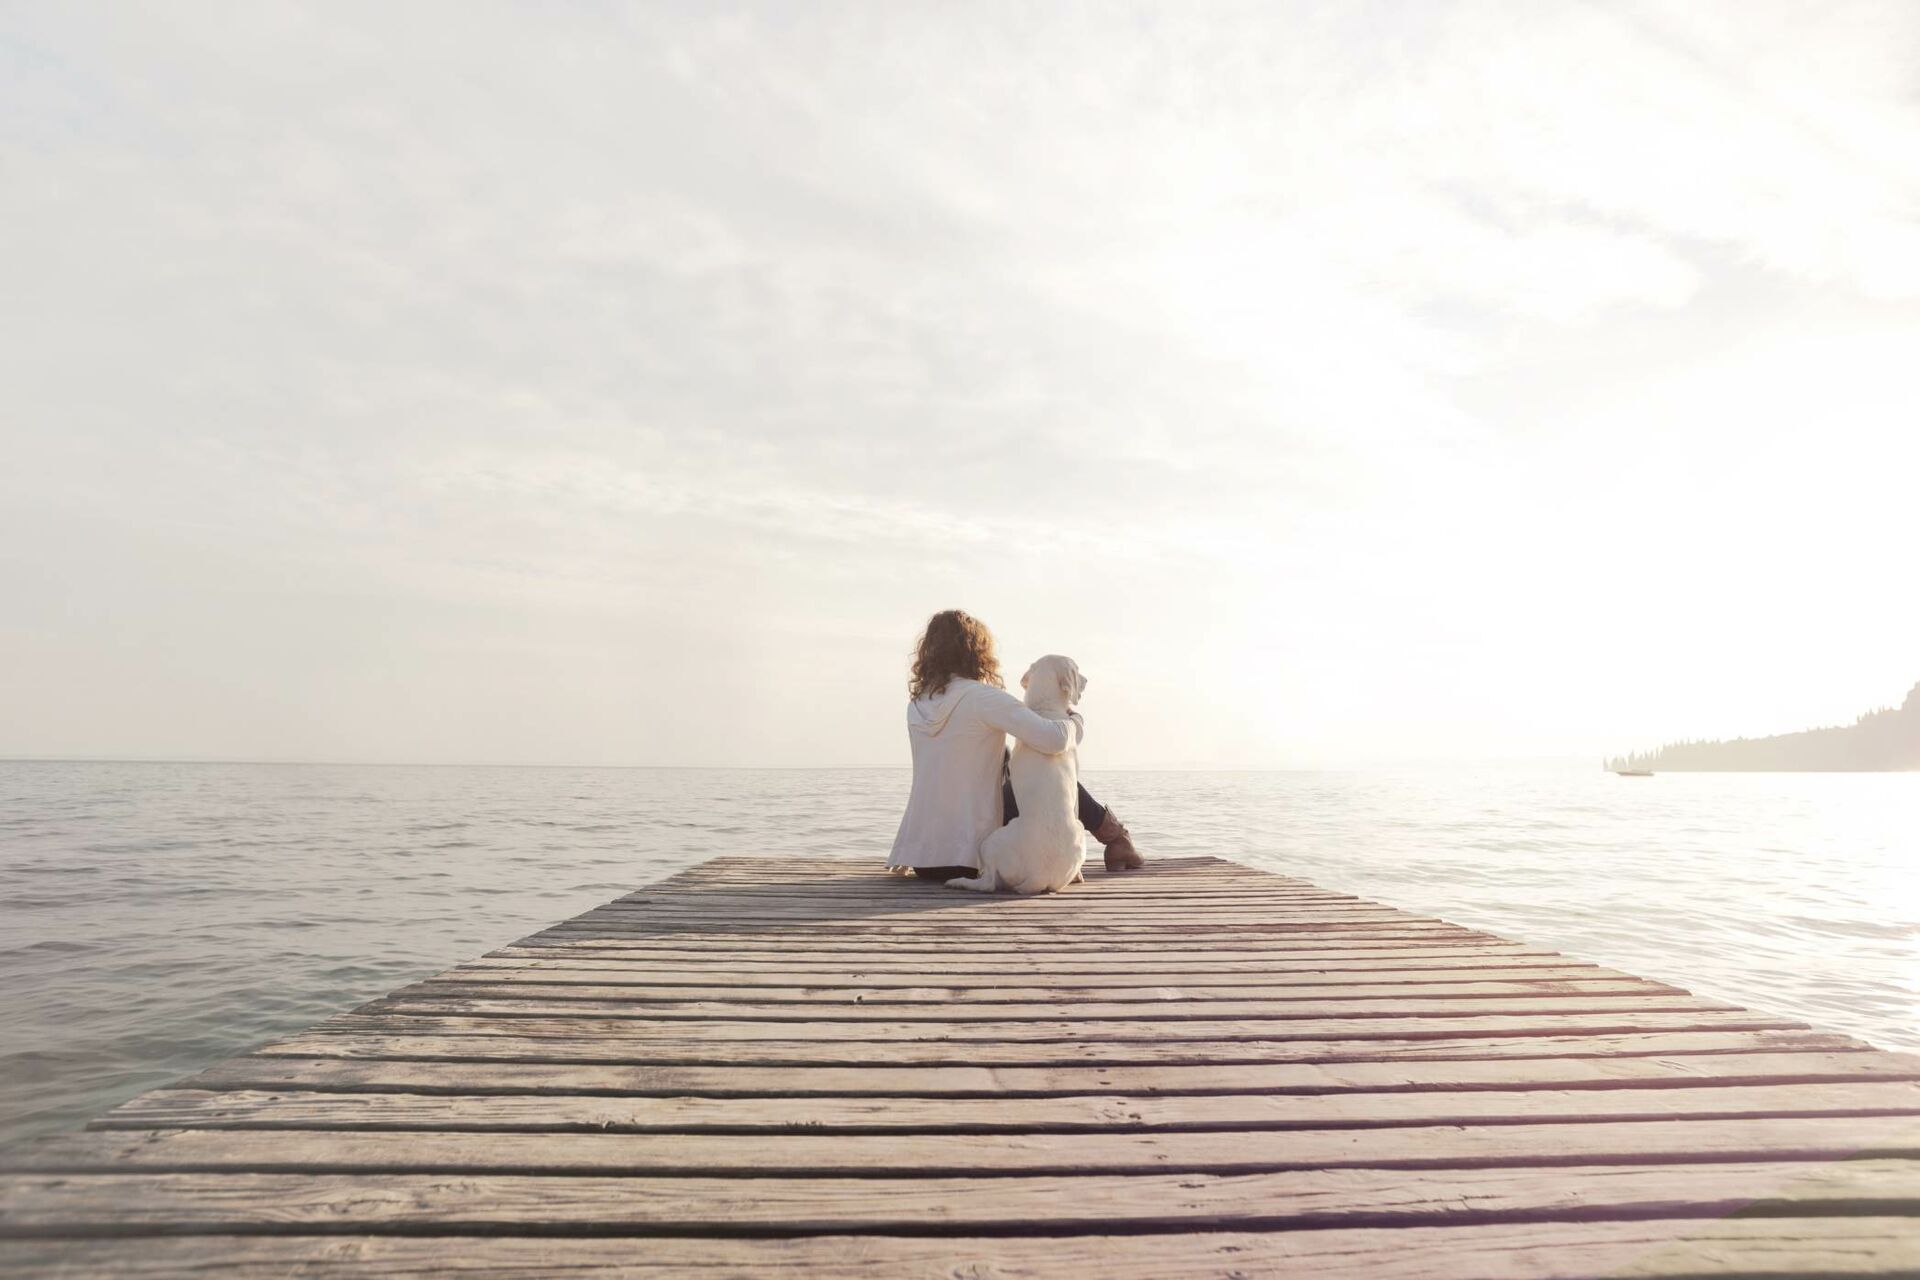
x=157, y=917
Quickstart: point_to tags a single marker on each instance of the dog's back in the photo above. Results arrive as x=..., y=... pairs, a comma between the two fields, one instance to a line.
x=1044, y=847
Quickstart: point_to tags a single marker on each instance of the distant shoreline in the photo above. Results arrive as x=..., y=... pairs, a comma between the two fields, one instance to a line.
x=1886, y=740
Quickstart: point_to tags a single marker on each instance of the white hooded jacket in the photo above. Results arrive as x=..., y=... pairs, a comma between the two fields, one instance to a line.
x=959, y=737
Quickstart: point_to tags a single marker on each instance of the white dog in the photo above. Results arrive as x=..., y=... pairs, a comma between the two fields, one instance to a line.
x=1042, y=849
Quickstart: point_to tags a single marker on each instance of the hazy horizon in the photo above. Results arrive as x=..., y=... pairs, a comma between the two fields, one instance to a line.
x=623, y=385
x=902, y=766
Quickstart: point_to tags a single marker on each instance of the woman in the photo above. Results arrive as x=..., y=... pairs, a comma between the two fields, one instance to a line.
x=957, y=723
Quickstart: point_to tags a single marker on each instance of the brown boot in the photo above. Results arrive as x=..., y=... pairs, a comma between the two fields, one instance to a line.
x=1121, y=855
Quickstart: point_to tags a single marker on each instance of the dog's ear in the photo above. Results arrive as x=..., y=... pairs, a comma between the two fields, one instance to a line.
x=1026, y=676
x=1071, y=682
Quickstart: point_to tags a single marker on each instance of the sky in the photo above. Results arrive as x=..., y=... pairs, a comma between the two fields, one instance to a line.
x=1339, y=384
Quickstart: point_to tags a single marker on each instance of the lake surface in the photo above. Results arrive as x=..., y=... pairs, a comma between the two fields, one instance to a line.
x=155, y=918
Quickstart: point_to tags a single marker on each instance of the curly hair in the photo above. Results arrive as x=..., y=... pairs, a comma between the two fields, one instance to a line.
x=955, y=644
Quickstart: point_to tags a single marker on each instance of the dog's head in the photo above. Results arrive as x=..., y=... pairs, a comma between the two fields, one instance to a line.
x=1053, y=681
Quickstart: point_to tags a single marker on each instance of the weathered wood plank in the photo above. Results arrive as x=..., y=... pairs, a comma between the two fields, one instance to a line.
x=975, y=909
x=1052, y=954
x=667, y=1050
x=1171, y=929
x=1055, y=957
x=1107, y=891
x=73, y=1204
x=971, y=911
x=1656, y=1249
x=929, y=952
x=559, y=1113
x=807, y=917
x=913, y=896
x=1081, y=970
x=863, y=869
x=780, y=983
x=1104, y=888
x=1097, y=890
x=1622, y=1142
x=870, y=879
x=894, y=923
x=858, y=870
x=695, y=1030
x=1679, y=1070
x=490, y=984
x=1190, y=864
x=757, y=936
x=942, y=940
x=511, y=1004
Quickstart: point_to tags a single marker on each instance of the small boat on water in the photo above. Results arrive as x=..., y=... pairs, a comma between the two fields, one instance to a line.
x=1634, y=773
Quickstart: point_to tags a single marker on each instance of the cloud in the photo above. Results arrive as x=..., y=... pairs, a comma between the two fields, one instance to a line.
x=1288, y=334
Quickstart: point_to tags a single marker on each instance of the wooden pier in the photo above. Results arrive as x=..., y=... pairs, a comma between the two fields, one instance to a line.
x=1196, y=1070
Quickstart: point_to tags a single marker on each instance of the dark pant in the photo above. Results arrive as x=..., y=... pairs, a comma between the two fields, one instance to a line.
x=1092, y=812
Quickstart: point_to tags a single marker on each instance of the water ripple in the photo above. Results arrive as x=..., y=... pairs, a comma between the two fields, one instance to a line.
x=164, y=916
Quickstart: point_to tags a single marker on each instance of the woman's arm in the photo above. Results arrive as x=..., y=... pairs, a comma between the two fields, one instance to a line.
x=1010, y=715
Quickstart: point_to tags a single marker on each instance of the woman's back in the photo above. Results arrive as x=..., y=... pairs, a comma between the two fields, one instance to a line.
x=958, y=737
